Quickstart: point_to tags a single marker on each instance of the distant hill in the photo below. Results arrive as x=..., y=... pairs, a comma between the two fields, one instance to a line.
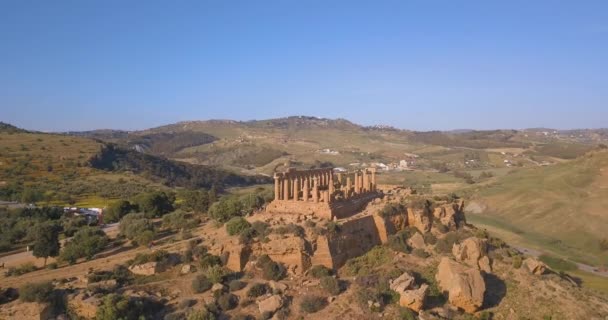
x=264, y=145
x=9, y=128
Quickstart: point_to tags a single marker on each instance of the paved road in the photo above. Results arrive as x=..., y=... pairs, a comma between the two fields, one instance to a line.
x=581, y=266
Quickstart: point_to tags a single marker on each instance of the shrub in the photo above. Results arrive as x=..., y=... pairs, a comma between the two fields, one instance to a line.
x=366, y=263
x=333, y=227
x=261, y=228
x=52, y=266
x=319, y=271
x=22, y=269
x=216, y=274
x=257, y=290
x=201, y=284
x=227, y=301
x=398, y=243
x=236, y=285
x=406, y=314
x=517, y=261
x=273, y=271
x=208, y=260
x=36, y=292
x=202, y=314
x=603, y=244
x=445, y=244
x=237, y=225
x=331, y=285
x=133, y=225
x=225, y=209
x=391, y=209
x=430, y=238
x=312, y=304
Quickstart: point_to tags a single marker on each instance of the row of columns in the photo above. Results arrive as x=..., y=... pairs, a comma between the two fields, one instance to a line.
x=319, y=184
x=287, y=186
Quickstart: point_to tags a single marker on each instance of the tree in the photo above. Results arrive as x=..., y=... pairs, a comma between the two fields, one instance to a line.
x=135, y=226
x=115, y=306
x=179, y=220
x=194, y=200
x=226, y=208
x=117, y=210
x=155, y=204
x=46, y=240
x=86, y=242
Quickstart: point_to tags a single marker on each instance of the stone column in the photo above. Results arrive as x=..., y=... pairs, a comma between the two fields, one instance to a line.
x=277, y=187
x=331, y=184
x=315, y=190
x=349, y=185
x=296, y=189
x=357, y=182
x=306, y=189
x=373, y=179
x=286, y=188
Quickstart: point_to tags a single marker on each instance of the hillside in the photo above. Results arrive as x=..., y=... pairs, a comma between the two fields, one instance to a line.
x=560, y=208
x=61, y=169
x=261, y=146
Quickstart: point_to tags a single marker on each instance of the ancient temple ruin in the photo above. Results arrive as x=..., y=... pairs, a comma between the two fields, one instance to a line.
x=322, y=192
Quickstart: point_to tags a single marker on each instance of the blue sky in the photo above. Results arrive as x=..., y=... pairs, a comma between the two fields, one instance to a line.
x=78, y=65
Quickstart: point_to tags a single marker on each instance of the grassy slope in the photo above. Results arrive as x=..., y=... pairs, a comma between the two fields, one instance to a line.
x=560, y=208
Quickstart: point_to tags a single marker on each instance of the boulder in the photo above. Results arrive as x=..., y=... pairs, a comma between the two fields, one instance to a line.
x=145, y=269
x=451, y=215
x=470, y=251
x=218, y=287
x=402, y=283
x=289, y=250
x=238, y=255
x=535, y=266
x=277, y=286
x=270, y=304
x=187, y=268
x=484, y=264
x=414, y=299
x=416, y=241
x=465, y=286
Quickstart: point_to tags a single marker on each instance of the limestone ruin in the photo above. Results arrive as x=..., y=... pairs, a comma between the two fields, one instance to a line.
x=322, y=192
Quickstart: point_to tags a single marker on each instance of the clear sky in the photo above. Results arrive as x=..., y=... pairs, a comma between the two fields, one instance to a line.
x=78, y=65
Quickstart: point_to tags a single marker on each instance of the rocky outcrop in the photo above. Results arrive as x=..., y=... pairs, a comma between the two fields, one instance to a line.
x=535, y=267
x=414, y=299
x=416, y=241
x=288, y=250
x=421, y=219
x=451, y=215
x=238, y=255
x=146, y=269
x=409, y=296
x=473, y=252
x=106, y=285
x=270, y=304
x=465, y=286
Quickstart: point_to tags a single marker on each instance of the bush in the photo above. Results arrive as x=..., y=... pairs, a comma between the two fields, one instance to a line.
x=366, y=263
x=52, y=266
x=331, y=285
x=273, y=271
x=445, y=244
x=160, y=256
x=406, y=314
x=319, y=271
x=391, y=209
x=202, y=314
x=237, y=225
x=133, y=225
x=517, y=261
x=261, y=228
x=430, y=238
x=22, y=269
x=312, y=304
x=36, y=292
x=398, y=243
x=208, y=260
x=258, y=290
x=201, y=284
x=116, y=211
x=87, y=242
x=225, y=209
x=227, y=301
x=215, y=274
x=333, y=227
x=236, y=285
